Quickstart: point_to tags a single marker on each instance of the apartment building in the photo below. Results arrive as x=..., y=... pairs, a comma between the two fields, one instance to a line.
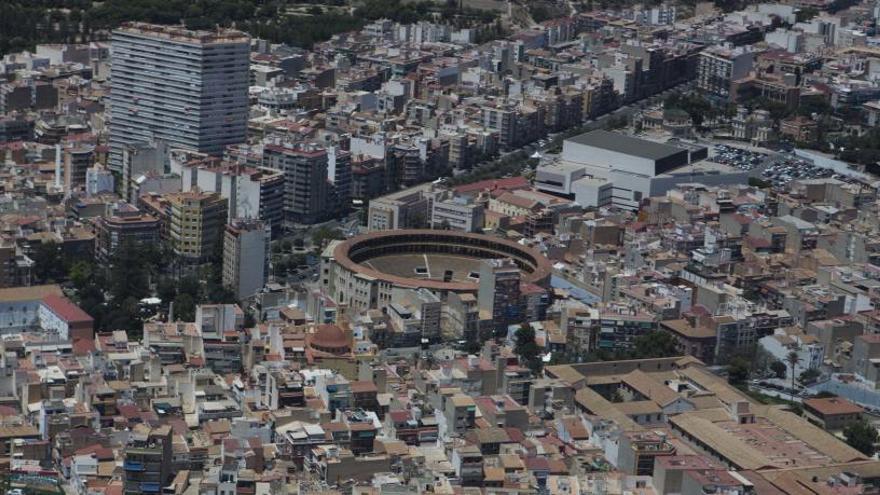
x=196, y=224
x=306, y=191
x=183, y=87
x=245, y=256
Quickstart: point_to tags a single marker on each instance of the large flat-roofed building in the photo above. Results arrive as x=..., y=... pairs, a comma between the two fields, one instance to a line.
x=185, y=88
x=558, y=178
x=614, y=151
x=602, y=168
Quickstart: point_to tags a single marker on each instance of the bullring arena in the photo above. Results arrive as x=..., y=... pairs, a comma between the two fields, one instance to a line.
x=362, y=271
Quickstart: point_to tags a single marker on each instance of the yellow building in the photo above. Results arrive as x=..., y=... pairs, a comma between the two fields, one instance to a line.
x=196, y=223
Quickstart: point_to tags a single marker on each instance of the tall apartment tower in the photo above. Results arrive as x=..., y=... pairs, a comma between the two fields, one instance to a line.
x=339, y=174
x=499, y=293
x=245, y=245
x=305, y=180
x=185, y=88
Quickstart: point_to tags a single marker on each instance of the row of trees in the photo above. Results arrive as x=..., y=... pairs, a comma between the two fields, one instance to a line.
x=655, y=344
x=23, y=23
x=864, y=149
x=510, y=164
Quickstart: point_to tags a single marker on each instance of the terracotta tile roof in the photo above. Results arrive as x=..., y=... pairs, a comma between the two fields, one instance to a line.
x=65, y=309
x=32, y=293
x=830, y=406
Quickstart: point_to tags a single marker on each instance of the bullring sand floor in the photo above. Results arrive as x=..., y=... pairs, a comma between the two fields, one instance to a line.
x=427, y=266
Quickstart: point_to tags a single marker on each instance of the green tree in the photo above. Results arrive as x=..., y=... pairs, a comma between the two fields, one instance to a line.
x=472, y=346
x=698, y=108
x=862, y=436
x=804, y=14
x=184, y=307
x=809, y=375
x=49, y=263
x=526, y=348
x=759, y=183
x=655, y=344
x=129, y=273
x=124, y=315
x=215, y=292
x=80, y=274
x=778, y=368
x=738, y=371
x=190, y=285
x=89, y=295
x=166, y=290
x=540, y=13
x=325, y=234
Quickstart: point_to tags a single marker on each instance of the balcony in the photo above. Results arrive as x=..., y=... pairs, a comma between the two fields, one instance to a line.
x=133, y=466
x=150, y=487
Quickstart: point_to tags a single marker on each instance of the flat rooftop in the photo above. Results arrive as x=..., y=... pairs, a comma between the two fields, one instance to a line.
x=620, y=143
x=702, y=167
x=180, y=33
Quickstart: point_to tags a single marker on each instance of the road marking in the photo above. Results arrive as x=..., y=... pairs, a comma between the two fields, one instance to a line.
x=427, y=265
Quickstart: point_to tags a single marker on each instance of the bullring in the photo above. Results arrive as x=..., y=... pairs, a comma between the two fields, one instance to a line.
x=362, y=271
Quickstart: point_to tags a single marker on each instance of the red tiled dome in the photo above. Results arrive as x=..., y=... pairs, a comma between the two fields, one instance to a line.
x=329, y=336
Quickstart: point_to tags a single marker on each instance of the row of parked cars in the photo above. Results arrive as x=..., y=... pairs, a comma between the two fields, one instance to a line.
x=737, y=157
x=788, y=169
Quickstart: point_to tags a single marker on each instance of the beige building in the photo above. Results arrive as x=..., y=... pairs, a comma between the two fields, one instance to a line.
x=196, y=224
x=832, y=413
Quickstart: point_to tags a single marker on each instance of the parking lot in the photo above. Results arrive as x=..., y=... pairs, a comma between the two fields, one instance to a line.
x=788, y=168
x=778, y=169
x=737, y=157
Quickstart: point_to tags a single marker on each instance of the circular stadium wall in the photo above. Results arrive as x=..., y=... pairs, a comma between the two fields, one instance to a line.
x=366, y=268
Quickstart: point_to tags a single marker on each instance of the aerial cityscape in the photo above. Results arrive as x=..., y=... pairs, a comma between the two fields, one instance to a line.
x=452, y=247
